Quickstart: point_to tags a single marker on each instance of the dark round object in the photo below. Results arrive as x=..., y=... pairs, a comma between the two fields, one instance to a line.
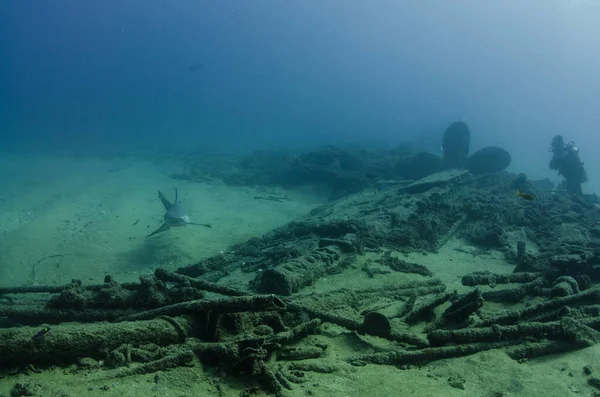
x=487, y=160
x=456, y=143
x=561, y=289
x=375, y=324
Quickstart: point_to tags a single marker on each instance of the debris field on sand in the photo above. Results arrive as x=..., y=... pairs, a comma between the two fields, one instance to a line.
x=271, y=333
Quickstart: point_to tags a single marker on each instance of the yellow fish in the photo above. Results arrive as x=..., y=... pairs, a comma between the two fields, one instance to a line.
x=525, y=196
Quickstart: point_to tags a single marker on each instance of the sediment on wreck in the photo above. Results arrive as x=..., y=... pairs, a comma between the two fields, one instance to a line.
x=418, y=217
x=274, y=331
x=294, y=274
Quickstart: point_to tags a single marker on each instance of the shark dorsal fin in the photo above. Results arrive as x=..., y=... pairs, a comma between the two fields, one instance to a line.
x=164, y=200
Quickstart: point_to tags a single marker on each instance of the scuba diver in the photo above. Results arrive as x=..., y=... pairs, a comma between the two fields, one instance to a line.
x=565, y=160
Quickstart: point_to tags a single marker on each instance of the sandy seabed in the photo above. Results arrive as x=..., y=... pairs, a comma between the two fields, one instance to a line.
x=67, y=218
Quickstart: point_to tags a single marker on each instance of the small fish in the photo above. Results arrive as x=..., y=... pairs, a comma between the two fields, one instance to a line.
x=41, y=333
x=525, y=196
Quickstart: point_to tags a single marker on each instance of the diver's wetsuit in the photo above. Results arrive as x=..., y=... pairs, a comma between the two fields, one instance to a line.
x=566, y=161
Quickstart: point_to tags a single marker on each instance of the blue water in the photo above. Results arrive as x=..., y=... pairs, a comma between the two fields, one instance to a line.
x=97, y=77
x=96, y=96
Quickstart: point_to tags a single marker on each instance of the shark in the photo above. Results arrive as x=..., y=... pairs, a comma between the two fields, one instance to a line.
x=175, y=216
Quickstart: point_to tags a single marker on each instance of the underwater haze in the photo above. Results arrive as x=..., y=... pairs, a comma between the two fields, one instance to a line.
x=286, y=198
x=103, y=77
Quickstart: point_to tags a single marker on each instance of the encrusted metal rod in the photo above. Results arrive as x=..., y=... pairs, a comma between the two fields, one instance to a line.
x=254, y=303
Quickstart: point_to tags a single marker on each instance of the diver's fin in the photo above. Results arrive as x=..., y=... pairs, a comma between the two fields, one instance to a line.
x=176, y=195
x=161, y=229
x=200, y=224
x=164, y=200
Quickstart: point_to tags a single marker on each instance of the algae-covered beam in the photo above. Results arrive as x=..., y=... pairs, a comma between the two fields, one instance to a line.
x=404, y=357
x=463, y=307
x=491, y=279
x=170, y=361
x=537, y=349
x=515, y=294
x=35, y=315
x=561, y=330
x=168, y=276
x=66, y=342
x=403, y=266
x=55, y=289
x=591, y=295
x=254, y=303
x=329, y=316
x=428, y=305
x=297, y=273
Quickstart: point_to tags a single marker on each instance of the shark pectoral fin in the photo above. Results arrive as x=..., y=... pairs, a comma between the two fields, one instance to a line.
x=200, y=224
x=161, y=229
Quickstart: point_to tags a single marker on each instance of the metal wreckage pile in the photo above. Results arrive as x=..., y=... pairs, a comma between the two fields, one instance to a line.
x=272, y=334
